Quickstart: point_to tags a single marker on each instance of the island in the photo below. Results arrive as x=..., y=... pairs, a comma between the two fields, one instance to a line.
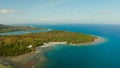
x=13, y=45
x=13, y=48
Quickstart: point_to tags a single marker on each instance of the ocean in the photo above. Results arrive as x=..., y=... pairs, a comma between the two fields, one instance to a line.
x=104, y=55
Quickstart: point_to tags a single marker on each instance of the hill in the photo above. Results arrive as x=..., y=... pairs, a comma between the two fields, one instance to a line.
x=6, y=28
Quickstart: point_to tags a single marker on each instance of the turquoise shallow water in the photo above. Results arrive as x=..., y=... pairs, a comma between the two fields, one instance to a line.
x=104, y=55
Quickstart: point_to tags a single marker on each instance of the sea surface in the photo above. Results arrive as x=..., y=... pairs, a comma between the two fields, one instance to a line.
x=103, y=55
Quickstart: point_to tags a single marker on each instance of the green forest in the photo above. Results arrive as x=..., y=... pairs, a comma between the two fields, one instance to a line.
x=14, y=45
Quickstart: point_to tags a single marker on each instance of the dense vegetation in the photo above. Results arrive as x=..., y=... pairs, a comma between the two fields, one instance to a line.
x=17, y=44
x=6, y=28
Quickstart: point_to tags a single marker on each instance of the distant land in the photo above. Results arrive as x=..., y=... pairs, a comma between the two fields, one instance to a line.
x=6, y=28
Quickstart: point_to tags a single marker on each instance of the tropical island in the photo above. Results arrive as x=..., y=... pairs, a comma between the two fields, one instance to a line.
x=13, y=45
x=13, y=48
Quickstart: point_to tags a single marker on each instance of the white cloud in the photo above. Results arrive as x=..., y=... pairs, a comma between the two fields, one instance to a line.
x=7, y=11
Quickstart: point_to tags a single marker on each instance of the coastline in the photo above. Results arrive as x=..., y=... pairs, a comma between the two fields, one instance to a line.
x=31, y=59
x=52, y=44
x=98, y=40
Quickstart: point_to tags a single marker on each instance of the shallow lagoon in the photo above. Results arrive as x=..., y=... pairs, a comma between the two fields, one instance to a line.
x=24, y=32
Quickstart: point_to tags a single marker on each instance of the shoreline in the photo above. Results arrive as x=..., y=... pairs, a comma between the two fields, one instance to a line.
x=31, y=59
x=52, y=44
x=95, y=42
x=99, y=40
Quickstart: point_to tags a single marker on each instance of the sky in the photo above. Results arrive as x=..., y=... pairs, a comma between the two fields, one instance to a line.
x=60, y=11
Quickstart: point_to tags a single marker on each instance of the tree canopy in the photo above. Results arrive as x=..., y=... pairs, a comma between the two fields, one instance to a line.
x=13, y=45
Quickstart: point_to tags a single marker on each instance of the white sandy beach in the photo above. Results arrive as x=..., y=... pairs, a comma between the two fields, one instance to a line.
x=52, y=43
x=95, y=42
x=99, y=40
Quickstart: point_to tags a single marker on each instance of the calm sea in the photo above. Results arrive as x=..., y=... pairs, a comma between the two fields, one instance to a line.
x=104, y=55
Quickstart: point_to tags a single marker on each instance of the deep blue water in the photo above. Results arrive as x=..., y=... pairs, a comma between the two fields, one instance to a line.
x=104, y=55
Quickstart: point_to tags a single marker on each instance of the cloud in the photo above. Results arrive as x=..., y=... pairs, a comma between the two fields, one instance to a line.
x=7, y=11
x=104, y=12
